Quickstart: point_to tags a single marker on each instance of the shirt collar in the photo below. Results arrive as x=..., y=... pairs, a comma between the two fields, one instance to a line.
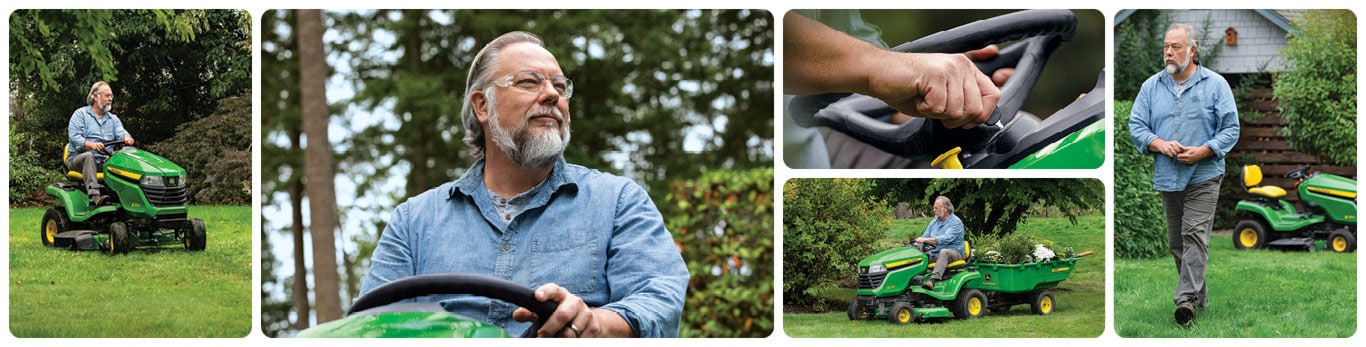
x=472, y=182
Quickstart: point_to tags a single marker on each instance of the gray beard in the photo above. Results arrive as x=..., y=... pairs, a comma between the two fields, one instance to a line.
x=104, y=107
x=532, y=151
x=1177, y=69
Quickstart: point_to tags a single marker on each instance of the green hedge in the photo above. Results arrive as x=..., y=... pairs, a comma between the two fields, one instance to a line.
x=1317, y=92
x=1140, y=225
x=723, y=224
x=828, y=225
x=215, y=152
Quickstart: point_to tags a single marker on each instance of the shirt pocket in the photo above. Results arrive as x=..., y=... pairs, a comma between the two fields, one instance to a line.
x=572, y=258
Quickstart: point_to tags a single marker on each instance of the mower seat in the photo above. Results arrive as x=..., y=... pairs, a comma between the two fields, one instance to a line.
x=1252, y=176
x=76, y=174
x=956, y=264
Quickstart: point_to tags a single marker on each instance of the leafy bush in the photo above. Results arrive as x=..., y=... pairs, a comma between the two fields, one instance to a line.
x=214, y=151
x=1014, y=249
x=27, y=172
x=723, y=223
x=828, y=225
x=1317, y=92
x=1140, y=225
x=1138, y=49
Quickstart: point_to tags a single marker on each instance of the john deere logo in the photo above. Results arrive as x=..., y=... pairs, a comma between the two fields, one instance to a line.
x=170, y=181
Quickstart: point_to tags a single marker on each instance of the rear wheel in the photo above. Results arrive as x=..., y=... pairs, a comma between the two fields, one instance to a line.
x=195, y=237
x=1043, y=303
x=119, y=240
x=901, y=313
x=858, y=312
x=971, y=303
x=1341, y=242
x=1249, y=234
x=54, y=222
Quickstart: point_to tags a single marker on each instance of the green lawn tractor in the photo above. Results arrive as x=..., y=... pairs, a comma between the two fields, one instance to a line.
x=146, y=207
x=380, y=312
x=889, y=284
x=1327, y=212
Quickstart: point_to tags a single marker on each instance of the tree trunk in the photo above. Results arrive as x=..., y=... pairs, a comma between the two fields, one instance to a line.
x=318, y=165
x=296, y=201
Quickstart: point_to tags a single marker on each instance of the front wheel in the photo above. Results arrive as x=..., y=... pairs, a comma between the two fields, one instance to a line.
x=1249, y=234
x=971, y=303
x=195, y=237
x=1341, y=242
x=858, y=312
x=901, y=314
x=1043, y=303
x=119, y=241
x=54, y=222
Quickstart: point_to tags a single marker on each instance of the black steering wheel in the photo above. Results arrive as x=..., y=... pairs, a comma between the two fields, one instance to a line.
x=1298, y=173
x=923, y=139
x=111, y=147
x=927, y=247
x=444, y=284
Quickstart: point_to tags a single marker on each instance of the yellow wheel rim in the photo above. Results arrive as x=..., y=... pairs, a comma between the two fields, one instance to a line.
x=1339, y=244
x=1248, y=237
x=50, y=231
x=974, y=307
x=903, y=315
x=1046, y=304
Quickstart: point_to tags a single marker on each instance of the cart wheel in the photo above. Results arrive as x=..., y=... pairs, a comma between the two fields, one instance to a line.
x=1341, y=242
x=971, y=303
x=858, y=312
x=901, y=313
x=1249, y=234
x=195, y=236
x=118, y=238
x=54, y=222
x=1042, y=304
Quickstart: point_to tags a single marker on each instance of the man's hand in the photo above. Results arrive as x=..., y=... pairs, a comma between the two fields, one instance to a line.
x=127, y=140
x=946, y=87
x=1192, y=155
x=1000, y=76
x=926, y=240
x=96, y=146
x=1167, y=148
x=573, y=312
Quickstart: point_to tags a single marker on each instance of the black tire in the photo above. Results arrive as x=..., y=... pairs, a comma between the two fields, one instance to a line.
x=858, y=312
x=119, y=239
x=901, y=314
x=1341, y=242
x=1042, y=303
x=54, y=222
x=1250, y=234
x=195, y=237
x=971, y=303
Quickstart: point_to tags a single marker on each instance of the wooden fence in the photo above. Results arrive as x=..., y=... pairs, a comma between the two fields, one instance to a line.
x=1261, y=142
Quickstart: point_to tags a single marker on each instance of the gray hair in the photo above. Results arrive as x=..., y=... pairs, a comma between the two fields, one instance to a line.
x=948, y=204
x=90, y=97
x=1190, y=40
x=481, y=78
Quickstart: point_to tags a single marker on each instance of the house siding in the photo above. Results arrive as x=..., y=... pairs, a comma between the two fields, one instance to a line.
x=1259, y=40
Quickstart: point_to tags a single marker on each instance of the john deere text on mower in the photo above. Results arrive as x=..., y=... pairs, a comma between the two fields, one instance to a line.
x=148, y=206
x=1328, y=212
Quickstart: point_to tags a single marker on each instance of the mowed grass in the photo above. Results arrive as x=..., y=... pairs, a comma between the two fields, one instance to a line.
x=1261, y=293
x=169, y=292
x=1080, y=300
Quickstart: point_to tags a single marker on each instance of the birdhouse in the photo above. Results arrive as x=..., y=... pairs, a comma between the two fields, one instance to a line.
x=1230, y=37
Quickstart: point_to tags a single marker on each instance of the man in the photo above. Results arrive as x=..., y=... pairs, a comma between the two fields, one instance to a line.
x=1185, y=118
x=846, y=56
x=945, y=232
x=593, y=242
x=88, y=130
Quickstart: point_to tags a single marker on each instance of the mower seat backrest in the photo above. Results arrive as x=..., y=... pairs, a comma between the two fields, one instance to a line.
x=1252, y=176
x=76, y=174
x=957, y=264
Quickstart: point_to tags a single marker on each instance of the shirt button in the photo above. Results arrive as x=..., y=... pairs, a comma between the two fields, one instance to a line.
x=507, y=247
x=503, y=201
x=507, y=217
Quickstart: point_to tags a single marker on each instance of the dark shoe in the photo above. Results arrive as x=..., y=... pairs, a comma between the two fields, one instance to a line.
x=1185, y=313
x=98, y=200
x=928, y=285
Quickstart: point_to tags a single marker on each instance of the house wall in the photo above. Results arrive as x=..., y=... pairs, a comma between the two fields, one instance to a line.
x=1259, y=40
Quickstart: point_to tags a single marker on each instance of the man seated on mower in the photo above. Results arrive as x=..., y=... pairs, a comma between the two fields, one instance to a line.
x=90, y=128
x=945, y=236
x=593, y=242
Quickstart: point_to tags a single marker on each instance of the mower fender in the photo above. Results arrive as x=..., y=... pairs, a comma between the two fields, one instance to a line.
x=1282, y=218
x=924, y=313
x=952, y=286
x=77, y=204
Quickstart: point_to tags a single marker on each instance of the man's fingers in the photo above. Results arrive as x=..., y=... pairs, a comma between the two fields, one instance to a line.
x=973, y=102
x=986, y=53
x=999, y=77
x=523, y=315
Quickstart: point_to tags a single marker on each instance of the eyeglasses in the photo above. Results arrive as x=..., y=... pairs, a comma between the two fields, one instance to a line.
x=531, y=82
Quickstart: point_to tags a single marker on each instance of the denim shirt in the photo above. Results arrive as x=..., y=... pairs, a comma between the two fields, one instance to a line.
x=595, y=234
x=947, y=234
x=1204, y=114
x=86, y=126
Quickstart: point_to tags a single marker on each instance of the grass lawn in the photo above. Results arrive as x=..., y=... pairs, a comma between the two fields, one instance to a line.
x=1080, y=310
x=169, y=292
x=1262, y=293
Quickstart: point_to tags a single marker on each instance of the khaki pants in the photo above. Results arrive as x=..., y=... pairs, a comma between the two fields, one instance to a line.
x=85, y=163
x=945, y=257
x=1190, y=216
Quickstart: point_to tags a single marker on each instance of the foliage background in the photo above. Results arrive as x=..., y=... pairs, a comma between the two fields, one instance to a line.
x=167, y=68
x=1317, y=92
x=680, y=101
